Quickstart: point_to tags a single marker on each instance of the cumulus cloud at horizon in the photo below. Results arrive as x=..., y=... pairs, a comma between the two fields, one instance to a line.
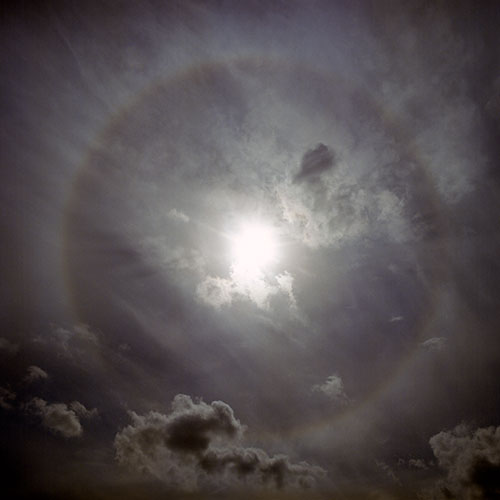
x=200, y=444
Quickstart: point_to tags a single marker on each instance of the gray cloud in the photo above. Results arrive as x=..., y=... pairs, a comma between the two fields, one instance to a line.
x=177, y=215
x=35, y=373
x=388, y=471
x=471, y=460
x=434, y=344
x=81, y=411
x=314, y=162
x=333, y=388
x=8, y=346
x=417, y=463
x=197, y=444
x=59, y=417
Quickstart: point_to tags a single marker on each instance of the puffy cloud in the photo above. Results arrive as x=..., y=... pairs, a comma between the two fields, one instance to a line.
x=59, y=417
x=35, y=373
x=434, y=344
x=314, y=162
x=198, y=444
x=333, y=388
x=7, y=346
x=6, y=396
x=471, y=460
x=81, y=411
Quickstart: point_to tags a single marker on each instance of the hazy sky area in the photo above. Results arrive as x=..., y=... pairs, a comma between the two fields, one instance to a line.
x=250, y=249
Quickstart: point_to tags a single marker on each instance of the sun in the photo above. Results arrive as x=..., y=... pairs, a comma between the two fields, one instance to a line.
x=253, y=248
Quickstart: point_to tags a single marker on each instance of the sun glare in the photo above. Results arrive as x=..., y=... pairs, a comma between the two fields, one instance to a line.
x=253, y=248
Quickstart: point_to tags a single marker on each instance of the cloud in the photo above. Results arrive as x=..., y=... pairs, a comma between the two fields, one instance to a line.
x=388, y=471
x=70, y=339
x=471, y=460
x=59, y=417
x=434, y=344
x=314, y=162
x=176, y=215
x=417, y=463
x=338, y=208
x=81, y=411
x=396, y=318
x=35, y=373
x=333, y=388
x=7, y=346
x=256, y=287
x=6, y=396
x=198, y=444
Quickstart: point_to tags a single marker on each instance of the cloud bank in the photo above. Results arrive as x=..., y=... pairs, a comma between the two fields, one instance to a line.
x=198, y=445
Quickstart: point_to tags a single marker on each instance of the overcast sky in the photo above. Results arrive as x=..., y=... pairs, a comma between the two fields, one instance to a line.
x=250, y=248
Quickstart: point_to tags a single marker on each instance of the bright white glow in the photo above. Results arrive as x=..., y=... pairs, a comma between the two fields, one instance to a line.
x=253, y=249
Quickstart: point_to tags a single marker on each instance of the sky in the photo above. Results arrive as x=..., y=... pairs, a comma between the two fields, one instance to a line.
x=250, y=249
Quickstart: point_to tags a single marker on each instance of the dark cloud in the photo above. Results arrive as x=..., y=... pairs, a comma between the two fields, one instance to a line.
x=7, y=346
x=256, y=466
x=471, y=460
x=6, y=398
x=60, y=418
x=417, y=463
x=198, y=444
x=316, y=161
x=35, y=373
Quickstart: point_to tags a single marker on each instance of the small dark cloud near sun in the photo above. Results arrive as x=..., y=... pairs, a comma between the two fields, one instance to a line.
x=315, y=162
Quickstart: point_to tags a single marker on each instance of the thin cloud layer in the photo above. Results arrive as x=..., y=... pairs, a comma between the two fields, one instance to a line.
x=198, y=444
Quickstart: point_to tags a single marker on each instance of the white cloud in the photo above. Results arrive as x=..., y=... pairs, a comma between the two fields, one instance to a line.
x=256, y=287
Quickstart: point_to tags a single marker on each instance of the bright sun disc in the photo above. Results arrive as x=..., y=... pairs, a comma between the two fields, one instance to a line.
x=254, y=247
